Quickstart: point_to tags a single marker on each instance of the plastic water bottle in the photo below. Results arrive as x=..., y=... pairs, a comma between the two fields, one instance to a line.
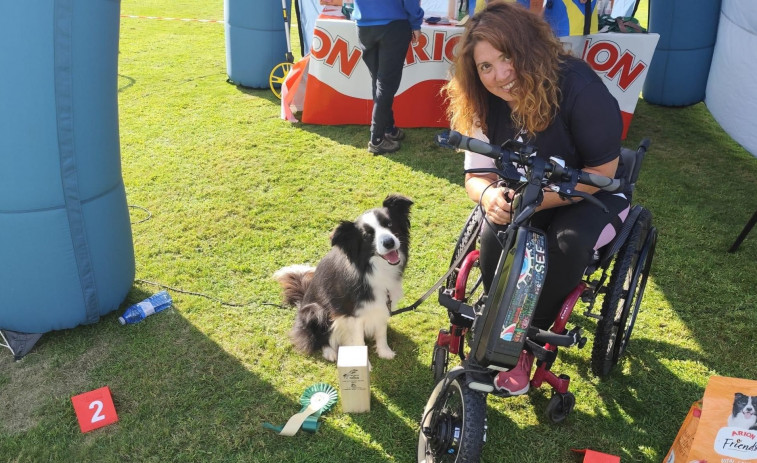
x=144, y=309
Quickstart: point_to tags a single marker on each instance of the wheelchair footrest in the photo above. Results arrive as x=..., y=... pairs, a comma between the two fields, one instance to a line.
x=460, y=313
x=568, y=339
x=480, y=380
x=541, y=353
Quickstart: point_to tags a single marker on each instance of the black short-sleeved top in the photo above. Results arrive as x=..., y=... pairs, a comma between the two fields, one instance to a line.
x=587, y=130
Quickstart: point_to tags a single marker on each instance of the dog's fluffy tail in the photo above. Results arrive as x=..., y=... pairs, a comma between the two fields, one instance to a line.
x=294, y=281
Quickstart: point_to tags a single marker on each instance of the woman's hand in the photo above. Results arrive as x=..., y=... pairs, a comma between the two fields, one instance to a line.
x=496, y=203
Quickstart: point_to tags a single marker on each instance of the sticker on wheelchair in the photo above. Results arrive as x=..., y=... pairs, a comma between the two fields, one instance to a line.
x=530, y=281
x=507, y=333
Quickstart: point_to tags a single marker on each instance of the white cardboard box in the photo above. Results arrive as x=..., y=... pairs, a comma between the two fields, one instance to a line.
x=354, y=379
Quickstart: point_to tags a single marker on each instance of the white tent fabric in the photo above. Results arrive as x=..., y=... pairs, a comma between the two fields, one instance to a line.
x=731, y=94
x=623, y=8
x=438, y=8
x=308, y=13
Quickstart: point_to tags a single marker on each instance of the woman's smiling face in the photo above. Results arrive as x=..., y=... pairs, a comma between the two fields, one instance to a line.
x=495, y=70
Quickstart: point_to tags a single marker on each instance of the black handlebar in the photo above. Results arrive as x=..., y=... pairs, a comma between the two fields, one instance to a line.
x=505, y=155
x=459, y=140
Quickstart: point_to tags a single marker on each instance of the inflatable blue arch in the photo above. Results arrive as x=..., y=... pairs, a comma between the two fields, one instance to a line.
x=66, y=252
x=255, y=40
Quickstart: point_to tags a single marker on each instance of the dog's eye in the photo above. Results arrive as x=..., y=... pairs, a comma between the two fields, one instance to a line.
x=388, y=225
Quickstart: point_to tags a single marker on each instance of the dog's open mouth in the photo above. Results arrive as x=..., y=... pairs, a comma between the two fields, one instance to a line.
x=748, y=414
x=393, y=257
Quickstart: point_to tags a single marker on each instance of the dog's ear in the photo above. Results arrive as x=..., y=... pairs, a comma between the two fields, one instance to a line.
x=398, y=207
x=346, y=236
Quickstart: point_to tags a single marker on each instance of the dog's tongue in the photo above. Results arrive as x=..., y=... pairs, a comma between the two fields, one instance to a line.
x=393, y=257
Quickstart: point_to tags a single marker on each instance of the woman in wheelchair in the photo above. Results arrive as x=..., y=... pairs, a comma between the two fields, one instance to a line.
x=513, y=80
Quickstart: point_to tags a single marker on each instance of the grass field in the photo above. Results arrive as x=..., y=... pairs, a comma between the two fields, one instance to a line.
x=234, y=193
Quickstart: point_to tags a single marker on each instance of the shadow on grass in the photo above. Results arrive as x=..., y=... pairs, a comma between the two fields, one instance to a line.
x=632, y=410
x=169, y=381
x=419, y=149
x=263, y=93
x=699, y=211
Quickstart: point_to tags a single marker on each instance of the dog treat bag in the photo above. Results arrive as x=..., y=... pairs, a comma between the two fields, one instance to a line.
x=727, y=430
x=679, y=451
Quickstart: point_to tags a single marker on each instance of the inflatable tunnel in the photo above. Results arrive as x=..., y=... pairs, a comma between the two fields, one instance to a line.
x=688, y=30
x=731, y=90
x=66, y=252
x=255, y=40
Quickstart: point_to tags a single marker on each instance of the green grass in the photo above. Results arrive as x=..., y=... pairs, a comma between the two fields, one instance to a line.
x=235, y=193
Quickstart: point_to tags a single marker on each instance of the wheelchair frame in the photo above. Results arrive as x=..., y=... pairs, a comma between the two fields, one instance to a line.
x=623, y=266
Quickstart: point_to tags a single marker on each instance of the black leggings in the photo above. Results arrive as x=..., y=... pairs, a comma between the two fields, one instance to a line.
x=384, y=50
x=572, y=231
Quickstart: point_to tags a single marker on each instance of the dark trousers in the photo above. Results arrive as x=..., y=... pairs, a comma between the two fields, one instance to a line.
x=384, y=50
x=572, y=231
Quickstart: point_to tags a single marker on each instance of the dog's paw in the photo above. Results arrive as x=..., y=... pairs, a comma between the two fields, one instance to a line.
x=329, y=354
x=385, y=353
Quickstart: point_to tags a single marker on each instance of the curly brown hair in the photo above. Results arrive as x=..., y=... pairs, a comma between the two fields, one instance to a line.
x=536, y=54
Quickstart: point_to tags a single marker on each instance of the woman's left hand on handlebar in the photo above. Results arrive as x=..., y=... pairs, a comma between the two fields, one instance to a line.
x=496, y=205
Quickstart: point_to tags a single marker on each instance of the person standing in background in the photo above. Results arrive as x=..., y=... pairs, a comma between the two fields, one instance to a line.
x=385, y=30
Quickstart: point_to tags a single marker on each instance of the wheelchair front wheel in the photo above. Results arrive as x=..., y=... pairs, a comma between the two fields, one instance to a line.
x=624, y=291
x=560, y=406
x=453, y=424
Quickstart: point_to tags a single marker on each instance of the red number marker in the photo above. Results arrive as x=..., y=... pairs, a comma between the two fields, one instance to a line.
x=94, y=409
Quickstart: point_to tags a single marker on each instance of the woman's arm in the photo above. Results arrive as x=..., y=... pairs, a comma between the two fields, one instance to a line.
x=552, y=199
x=495, y=200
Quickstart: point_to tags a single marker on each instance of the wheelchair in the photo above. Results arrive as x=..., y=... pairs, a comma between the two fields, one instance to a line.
x=453, y=425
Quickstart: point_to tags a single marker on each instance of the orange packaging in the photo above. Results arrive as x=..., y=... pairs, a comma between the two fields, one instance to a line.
x=727, y=431
x=679, y=451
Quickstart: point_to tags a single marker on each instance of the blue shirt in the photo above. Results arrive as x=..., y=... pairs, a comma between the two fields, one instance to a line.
x=381, y=12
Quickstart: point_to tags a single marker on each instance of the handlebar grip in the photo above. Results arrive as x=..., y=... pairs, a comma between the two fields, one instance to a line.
x=600, y=181
x=472, y=144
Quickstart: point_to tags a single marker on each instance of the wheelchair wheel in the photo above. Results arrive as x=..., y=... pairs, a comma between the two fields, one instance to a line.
x=471, y=228
x=453, y=425
x=560, y=406
x=623, y=296
x=633, y=303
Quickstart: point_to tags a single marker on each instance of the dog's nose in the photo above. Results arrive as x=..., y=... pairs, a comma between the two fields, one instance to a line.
x=388, y=242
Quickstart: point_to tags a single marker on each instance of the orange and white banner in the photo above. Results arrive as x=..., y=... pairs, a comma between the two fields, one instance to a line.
x=338, y=88
x=621, y=60
x=339, y=85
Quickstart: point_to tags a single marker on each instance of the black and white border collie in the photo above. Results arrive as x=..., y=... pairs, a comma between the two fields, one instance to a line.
x=744, y=413
x=350, y=295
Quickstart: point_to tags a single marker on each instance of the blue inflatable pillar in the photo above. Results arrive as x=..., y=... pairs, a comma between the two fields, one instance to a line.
x=678, y=73
x=66, y=253
x=255, y=40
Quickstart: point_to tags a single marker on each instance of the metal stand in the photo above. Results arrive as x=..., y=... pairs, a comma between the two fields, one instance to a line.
x=744, y=233
x=5, y=343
